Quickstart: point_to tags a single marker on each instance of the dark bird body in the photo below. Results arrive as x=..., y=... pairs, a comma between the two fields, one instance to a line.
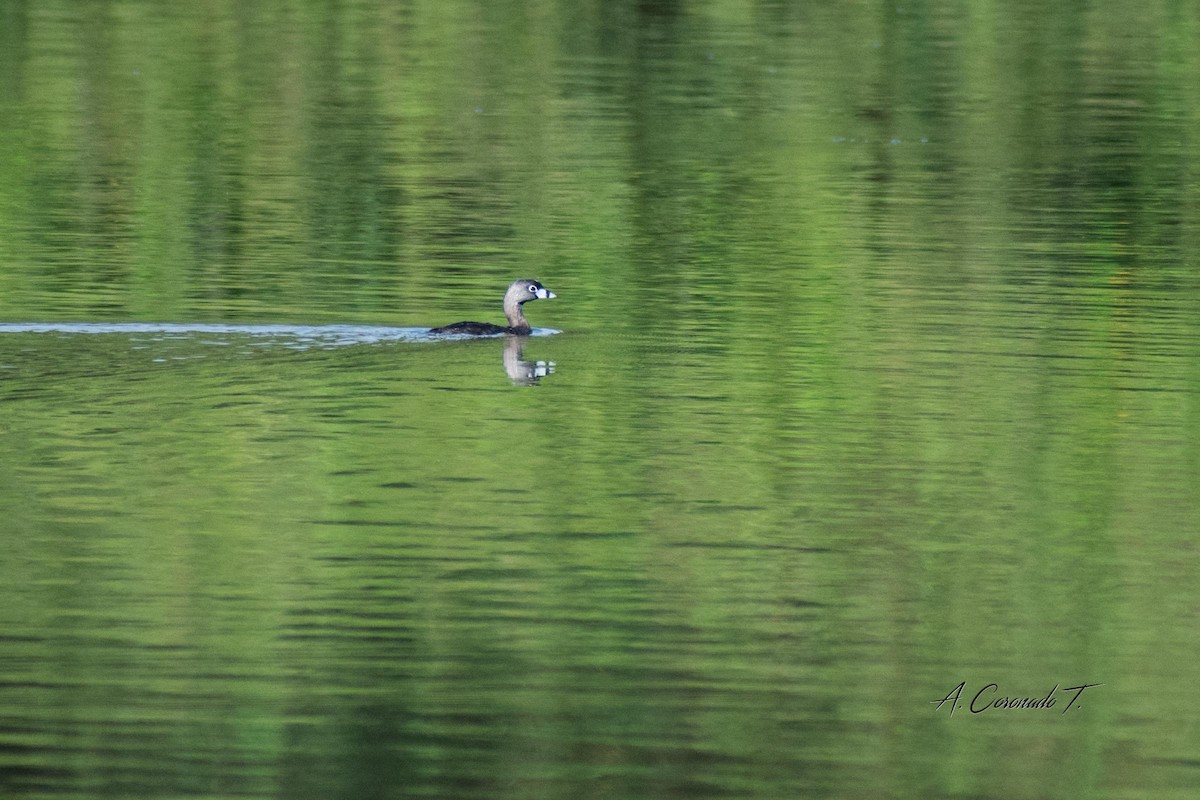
x=519, y=293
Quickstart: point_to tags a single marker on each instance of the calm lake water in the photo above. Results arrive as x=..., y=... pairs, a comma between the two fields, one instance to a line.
x=872, y=373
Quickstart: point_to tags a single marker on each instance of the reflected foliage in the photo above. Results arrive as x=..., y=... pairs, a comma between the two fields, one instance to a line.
x=879, y=374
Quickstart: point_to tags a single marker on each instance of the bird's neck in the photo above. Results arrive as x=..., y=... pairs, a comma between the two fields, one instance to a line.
x=516, y=319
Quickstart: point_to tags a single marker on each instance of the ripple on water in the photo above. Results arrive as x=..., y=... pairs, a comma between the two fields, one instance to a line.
x=294, y=336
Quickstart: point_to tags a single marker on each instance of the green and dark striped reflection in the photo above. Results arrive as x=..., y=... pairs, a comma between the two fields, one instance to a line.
x=878, y=374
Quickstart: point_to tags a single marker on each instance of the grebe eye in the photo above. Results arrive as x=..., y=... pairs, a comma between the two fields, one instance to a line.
x=533, y=287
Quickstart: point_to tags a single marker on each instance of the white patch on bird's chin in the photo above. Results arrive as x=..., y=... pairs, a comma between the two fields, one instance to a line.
x=545, y=294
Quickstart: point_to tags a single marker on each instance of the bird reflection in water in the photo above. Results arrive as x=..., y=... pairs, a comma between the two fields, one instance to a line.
x=521, y=372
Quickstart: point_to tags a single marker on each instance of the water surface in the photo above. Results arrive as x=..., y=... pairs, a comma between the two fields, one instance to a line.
x=877, y=374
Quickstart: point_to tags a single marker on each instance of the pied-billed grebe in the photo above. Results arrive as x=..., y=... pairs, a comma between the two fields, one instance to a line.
x=519, y=293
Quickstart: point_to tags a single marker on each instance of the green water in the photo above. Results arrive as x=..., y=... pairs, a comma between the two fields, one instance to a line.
x=878, y=373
